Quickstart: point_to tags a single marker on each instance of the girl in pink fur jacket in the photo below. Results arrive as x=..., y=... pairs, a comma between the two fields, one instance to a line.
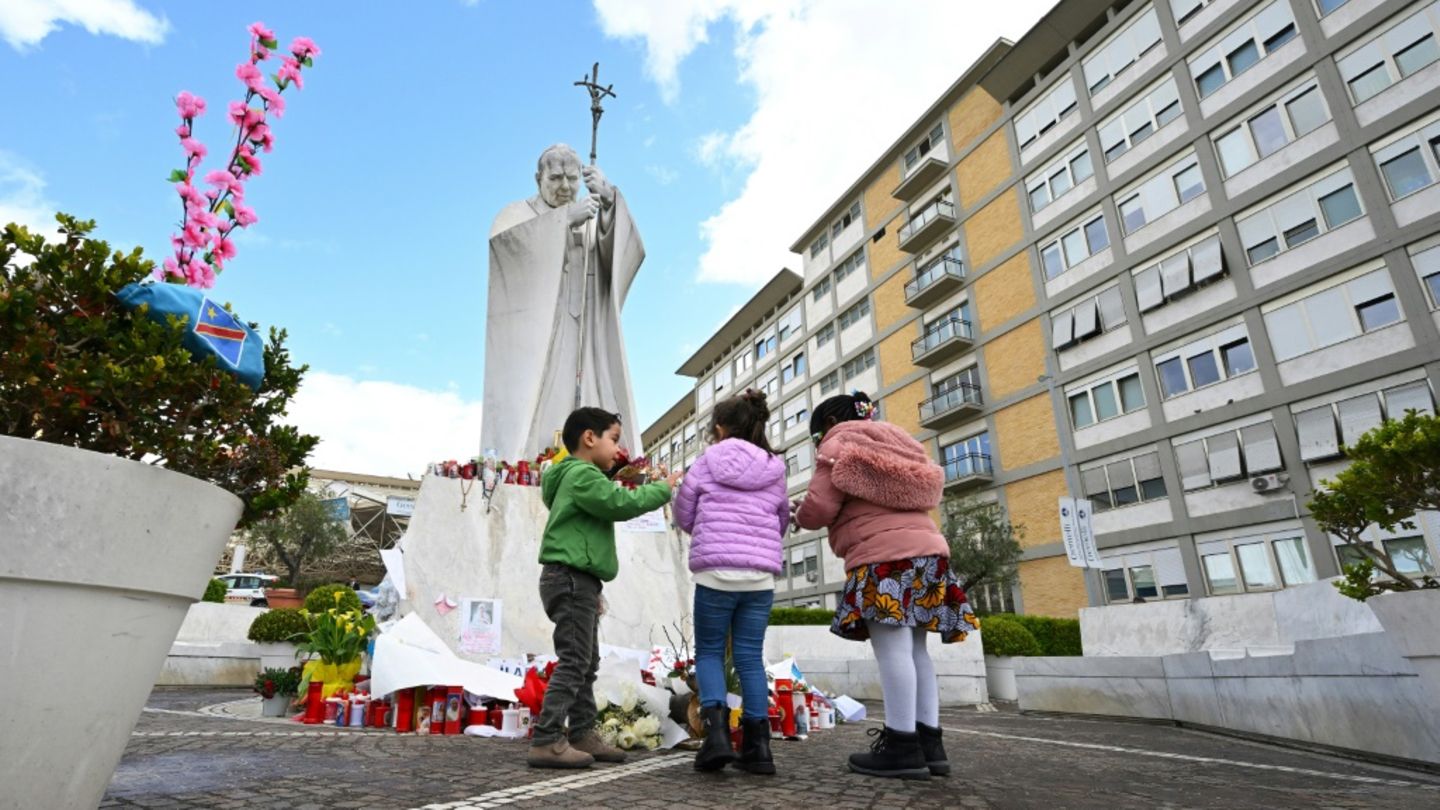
x=874, y=487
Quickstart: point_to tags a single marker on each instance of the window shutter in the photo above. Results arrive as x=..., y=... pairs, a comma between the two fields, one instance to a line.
x=1318, y=436
x=1194, y=470
x=1147, y=288
x=1169, y=567
x=1223, y=450
x=1062, y=329
x=1086, y=322
x=1147, y=467
x=1121, y=474
x=1207, y=260
x=1415, y=396
x=1359, y=415
x=1262, y=451
x=1093, y=482
x=1112, y=309
x=1175, y=274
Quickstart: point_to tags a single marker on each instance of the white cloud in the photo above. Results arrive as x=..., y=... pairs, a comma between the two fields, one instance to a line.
x=22, y=197
x=383, y=428
x=664, y=175
x=834, y=82
x=24, y=23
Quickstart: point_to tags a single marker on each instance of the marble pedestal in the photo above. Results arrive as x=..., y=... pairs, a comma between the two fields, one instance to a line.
x=472, y=552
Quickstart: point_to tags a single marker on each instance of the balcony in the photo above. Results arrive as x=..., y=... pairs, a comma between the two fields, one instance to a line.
x=968, y=471
x=943, y=340
x=935, y=282
x=949, y=407
x=927, y=224
x=920, y=176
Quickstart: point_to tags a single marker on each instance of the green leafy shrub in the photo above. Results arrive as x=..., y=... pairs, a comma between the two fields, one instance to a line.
x=1055, y=636
x=215, y=591
x=79, y=370
x=796, y=616
x=1002, y=635
x=274, y=682
x=323, y=598
x=279, y=624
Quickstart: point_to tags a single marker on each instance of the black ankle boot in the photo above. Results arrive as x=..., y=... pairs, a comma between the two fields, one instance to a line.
x=932, y=747
x=894, y=754
x=755, y=746
x=717, y=750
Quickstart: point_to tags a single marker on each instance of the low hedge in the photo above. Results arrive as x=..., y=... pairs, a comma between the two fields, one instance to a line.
x=279, y=624
x=792, y=616
x=1002, y=635
x=1057, y=637
x=215, y=591
x=323, y=598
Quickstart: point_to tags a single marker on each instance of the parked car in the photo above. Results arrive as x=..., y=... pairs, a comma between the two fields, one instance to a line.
x=247, y=589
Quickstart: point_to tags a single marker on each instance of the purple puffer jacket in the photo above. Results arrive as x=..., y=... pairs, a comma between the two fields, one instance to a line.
x=733, y=504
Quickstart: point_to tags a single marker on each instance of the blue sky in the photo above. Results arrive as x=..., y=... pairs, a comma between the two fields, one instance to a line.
x=421, y=121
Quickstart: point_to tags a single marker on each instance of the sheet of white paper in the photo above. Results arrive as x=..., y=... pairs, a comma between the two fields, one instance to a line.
x=480, y=626
x=394, y=560
x=648, y=522
x=641, y=657
x=849, y=708
x=412, y=655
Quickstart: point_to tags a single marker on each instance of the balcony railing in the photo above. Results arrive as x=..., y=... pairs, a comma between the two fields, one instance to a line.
x=967, y=469
x=922, y=174
x=926, y=224
x=934, y=281
x=941, y=339
x=963, y=397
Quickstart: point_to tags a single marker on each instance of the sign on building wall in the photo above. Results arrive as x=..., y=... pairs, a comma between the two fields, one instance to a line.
x=339, y=508
x=400, y=507
x=1083, y=509
x=1077, y=534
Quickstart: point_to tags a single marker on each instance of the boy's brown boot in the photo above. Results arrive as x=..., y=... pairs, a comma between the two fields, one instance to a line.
x=559, y=754
x=590, y=743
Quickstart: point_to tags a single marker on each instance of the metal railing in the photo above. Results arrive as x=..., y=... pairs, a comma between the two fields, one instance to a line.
x=966, y=466
x=938, y=333
x=945, y=266
x=947, y=401
x=927, y=215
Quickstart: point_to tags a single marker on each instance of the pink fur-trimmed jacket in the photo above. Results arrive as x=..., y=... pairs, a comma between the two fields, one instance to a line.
x=874, y=487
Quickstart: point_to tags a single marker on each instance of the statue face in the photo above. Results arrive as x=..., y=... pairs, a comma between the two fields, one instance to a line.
x=559, y=181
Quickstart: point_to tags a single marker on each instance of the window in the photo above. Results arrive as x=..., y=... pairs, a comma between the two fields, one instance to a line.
x=852, y=215
x=770, y=385
x=821, y=290
x=1048, y=184
x=829, y=383
x=1164, y=192
x=1205, y=362
x=1228, y=456
x=918, y=151
x=722, y=379
x=743, y=362
x=1122, y=50
x=1050, y=109
x=1396, y=53
x=790, y=324
x=1185, y=9
x=1264, y=563
x=764, y=346
x=793, y=368
x=1179, y=273
x=1409, y=163
x=955, y=389
x=1089, y=318
x=825, y=335
x=1410, y=554
x=1299, y=216
x=858, y=364
x=966, y=458
x=1074, y=245
x=1144, y=575
x=689, y=438
x=1277, y=122
x=1330, y=313
x=1125, y=482
x=1243, y=47
x=855, y=314
x=1097, y=402
x=1327, y=6
x=1154, y=109
x=1427, y=266
x=795, y=412
x=853, y=262
x=819, y=244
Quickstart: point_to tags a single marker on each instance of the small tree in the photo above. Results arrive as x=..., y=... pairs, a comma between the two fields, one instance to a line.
x=301, y=534
x=984, y=545
x=1394, y=472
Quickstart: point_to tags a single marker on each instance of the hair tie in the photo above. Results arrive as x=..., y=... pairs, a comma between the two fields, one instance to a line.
x=864, y=410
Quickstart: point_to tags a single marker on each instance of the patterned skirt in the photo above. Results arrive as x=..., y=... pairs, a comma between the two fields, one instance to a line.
x=919, y=592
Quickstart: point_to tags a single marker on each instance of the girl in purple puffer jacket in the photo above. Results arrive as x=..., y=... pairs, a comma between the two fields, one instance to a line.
x=734, y=506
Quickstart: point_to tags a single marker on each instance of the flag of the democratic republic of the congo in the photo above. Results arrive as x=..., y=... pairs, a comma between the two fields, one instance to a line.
x=221, y=331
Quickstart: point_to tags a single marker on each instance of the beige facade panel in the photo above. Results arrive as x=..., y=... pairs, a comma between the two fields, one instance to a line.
x=1034, y=503
x=889, y=300
x=1015, y=360
x=902, y=406
x=894, y=355
x=1050, y=587
x=994, y=228
x=886, y=253
x=984, y=169
x=879, y=205
x=1004, y=292
x=1025, y=433
x=972, y=115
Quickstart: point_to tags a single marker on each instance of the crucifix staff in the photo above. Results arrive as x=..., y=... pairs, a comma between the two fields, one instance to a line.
x=592, y=85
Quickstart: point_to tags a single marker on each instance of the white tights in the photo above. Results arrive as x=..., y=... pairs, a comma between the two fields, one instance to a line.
x=907, y=676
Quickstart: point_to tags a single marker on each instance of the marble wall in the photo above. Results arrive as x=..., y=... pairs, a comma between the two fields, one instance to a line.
x=848, y=667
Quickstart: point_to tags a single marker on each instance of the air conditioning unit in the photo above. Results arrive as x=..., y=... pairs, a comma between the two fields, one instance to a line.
x=1269, y=483
x=812, y=576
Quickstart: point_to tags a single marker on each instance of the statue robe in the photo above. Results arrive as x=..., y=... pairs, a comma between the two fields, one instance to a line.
x=540, y=269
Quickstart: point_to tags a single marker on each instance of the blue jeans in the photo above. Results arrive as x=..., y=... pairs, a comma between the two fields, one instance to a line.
x=741, y=616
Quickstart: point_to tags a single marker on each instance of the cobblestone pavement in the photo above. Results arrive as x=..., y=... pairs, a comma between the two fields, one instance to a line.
x=184, y=754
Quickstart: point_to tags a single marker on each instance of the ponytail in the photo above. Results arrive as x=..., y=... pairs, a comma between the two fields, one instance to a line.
x=745, y=416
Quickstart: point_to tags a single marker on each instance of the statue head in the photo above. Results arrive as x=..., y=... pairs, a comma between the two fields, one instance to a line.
x=557, y=174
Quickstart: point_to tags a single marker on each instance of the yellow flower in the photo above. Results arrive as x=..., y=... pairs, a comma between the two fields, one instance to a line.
x=338, y=595
x=887, y=607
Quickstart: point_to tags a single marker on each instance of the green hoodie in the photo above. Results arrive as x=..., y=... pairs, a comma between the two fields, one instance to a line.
x=584, y=506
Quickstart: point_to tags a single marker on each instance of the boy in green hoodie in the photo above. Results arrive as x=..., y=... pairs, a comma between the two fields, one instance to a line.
x=577, y=555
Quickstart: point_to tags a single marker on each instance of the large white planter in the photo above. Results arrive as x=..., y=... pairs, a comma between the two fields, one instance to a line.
x=1412, y=623
x=278, y=655
x=99, y=559
x=1000, y=677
